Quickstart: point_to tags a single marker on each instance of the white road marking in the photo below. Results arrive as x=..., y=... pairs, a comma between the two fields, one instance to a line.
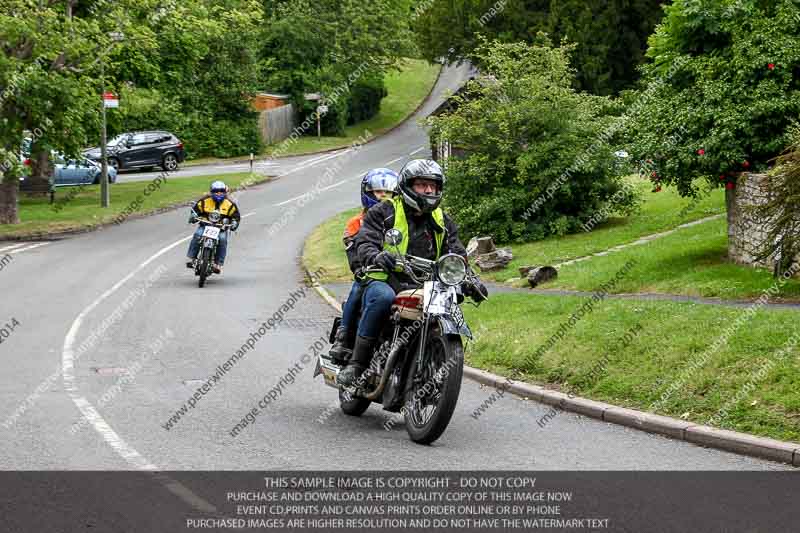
x=306, y=193
x=395, y=160
x=4, y=248
x=31, y=247
x=93, y=417
x=421, y=148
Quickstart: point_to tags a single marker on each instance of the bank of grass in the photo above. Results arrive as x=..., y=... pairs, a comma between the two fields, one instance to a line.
x=324, y=248
x=692, y=261
x=659, y=212
x=80, y=207
x=406, y=89
x=670, y=336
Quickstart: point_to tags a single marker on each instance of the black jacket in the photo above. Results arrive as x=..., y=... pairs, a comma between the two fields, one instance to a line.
x=421, y=243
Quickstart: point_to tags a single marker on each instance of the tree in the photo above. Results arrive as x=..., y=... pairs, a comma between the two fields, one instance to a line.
x=611, y=36
x=722, y=85
x=330, y=45
x=48, y=71
x=526, y=135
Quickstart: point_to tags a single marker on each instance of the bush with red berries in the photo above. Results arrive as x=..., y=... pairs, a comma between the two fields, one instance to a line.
x=723, y=86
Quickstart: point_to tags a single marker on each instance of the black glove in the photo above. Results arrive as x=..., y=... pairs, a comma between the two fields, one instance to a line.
x=192, y=218
x=234, y=225
x=476, y=290
x=385, y=261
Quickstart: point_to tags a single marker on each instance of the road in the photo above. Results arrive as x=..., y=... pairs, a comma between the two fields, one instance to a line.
x=93, y=305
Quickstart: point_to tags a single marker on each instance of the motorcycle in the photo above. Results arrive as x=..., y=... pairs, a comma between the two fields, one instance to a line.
x=209, y=241
x=418, y=362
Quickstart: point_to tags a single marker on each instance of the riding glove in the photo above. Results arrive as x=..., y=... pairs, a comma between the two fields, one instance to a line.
x=385, y=261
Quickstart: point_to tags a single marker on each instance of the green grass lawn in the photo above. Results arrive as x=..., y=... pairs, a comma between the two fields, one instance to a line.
x=38, y=216
x=324, y=248
x=669, y=336
x=691, y=261
x=406, y=91
x=660, y=212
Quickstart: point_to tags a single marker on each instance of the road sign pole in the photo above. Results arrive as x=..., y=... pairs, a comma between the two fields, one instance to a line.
x=105, y=199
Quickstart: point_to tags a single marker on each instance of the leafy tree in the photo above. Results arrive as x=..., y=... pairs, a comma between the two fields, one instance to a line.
x=611, y=36
x=521, y=130
x=331, y=46
x=49, y=74
x=723, y=86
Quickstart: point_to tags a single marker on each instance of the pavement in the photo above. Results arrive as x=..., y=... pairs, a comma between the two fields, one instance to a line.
x=114, y=337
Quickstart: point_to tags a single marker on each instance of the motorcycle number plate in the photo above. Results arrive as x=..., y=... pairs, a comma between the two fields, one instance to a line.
x=436, y=300
x=211, y=232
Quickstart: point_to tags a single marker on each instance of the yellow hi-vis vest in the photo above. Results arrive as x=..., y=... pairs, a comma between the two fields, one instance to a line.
x=401, y=223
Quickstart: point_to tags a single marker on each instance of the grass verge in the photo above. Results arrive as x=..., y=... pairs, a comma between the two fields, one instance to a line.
x=659, y=212
x=595, y=360
x=692, y=261
x=324, y=248
x=78, y=208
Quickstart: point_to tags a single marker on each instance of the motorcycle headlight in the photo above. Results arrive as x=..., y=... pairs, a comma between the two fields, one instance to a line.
x=214, y=216
x=452, y=269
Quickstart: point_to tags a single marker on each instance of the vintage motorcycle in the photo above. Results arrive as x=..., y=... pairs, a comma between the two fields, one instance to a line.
x=418, y=362
x=209, y=241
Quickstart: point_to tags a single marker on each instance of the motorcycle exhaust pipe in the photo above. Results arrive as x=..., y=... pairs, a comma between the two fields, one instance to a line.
x=387, y=371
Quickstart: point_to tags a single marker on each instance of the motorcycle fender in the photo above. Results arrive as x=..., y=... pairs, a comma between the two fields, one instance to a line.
x=449, y=327
x=208, y=243
x=337, y=321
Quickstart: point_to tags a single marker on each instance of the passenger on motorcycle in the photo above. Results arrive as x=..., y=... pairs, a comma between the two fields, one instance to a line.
x=427, y=232
x=378, y=184
x=216, y=200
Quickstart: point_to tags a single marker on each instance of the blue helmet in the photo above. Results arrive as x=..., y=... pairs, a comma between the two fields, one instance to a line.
x=218, y=190
x=377, y=179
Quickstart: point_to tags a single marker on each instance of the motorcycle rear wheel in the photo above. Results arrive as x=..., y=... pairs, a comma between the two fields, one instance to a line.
x=428, y=414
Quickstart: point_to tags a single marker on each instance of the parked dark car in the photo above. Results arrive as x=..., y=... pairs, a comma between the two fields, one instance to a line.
x=142, y=149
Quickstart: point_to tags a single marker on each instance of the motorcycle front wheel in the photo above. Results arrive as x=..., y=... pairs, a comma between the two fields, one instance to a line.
x=431, y=399
x=205, y=261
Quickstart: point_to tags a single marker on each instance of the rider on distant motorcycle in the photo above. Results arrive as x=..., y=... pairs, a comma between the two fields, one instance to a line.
x=216, y=200
x=377, y=184
x=427, y=232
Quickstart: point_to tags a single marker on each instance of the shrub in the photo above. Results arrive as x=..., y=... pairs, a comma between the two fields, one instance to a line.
x=723, y=86
x=365, y=97
x=534, y=161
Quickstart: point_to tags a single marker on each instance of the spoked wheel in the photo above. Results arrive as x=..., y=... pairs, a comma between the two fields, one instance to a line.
x=432, y=398
x=205, y=261
x=352, y=405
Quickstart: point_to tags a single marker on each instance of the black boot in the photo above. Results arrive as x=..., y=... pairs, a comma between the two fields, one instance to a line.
x=362, y=353
x=342, y=347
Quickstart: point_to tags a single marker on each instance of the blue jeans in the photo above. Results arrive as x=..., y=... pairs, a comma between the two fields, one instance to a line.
x=222, y=245
x=376, y=300
x=351, y=306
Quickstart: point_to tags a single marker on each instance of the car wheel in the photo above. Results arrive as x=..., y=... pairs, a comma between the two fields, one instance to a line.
x=113, y=162
x=170, y=163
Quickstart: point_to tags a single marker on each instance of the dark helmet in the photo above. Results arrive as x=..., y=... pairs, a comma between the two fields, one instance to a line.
x=377, y=179
x=426, y=169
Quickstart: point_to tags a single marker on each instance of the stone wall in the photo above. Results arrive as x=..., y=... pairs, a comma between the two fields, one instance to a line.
x=747, y=232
